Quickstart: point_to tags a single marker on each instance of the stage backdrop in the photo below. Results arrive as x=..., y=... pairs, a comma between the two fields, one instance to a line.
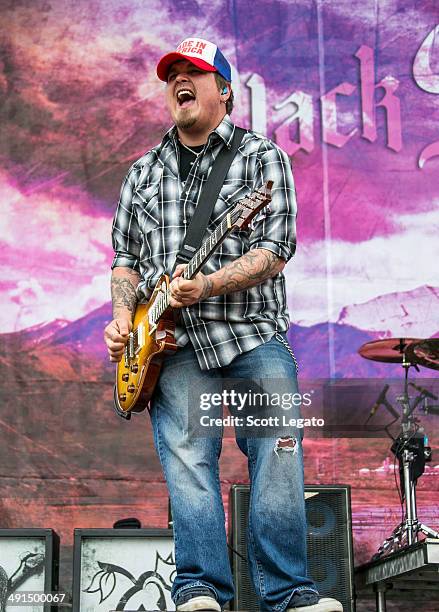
x=351, y=92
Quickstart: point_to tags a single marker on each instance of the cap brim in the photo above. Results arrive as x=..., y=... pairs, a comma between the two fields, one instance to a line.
x=167, y=60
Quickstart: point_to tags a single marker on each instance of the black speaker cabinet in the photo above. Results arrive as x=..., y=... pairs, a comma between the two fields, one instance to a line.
x=329, y=540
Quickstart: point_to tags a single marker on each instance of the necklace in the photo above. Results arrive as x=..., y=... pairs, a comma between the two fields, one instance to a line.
x=196, y=153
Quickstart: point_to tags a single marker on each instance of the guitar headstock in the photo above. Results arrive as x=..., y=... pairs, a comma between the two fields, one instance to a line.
x=247, y=208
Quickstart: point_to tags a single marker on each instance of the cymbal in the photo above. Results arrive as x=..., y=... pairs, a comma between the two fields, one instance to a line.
x=425, y=353
x=389, y=350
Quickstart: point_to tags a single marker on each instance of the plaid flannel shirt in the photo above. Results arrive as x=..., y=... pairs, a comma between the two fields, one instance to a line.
x=150, y=223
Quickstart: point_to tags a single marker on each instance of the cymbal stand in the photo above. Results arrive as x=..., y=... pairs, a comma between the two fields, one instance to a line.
x=409, y=448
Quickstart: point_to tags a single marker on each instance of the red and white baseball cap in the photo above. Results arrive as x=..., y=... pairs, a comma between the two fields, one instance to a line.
x=201, y=53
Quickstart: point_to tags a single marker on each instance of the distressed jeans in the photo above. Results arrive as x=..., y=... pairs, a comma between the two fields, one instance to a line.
x=276, y=524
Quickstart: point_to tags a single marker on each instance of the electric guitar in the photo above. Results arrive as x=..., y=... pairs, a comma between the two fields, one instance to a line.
x=152, y=335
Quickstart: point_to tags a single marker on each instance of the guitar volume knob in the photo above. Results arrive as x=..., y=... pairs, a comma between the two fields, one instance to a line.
x=125, y=377
x=134, y=368
x=131, y=388
x=122, y=397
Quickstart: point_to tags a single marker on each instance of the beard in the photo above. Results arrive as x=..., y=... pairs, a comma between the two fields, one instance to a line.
x=185, y=123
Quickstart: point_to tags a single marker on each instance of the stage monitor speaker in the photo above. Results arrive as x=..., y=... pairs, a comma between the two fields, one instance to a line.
x=329, y=541
x=29, y=564
x=121, y=569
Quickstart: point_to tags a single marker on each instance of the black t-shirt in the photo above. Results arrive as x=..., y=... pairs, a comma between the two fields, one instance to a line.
x=187, y=158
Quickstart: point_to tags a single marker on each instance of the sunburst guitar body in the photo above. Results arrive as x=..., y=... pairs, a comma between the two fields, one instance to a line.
x=138, y=371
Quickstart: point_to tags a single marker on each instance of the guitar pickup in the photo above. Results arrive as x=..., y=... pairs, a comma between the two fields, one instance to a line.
x=140, y=337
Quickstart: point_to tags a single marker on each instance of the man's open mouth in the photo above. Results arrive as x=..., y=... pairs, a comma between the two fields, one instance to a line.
x=185, y=98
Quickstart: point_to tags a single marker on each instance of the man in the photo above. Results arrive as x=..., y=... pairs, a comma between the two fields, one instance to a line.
x=232, y=324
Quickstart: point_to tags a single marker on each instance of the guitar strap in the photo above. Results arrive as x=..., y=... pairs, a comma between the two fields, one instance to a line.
x=208, y=197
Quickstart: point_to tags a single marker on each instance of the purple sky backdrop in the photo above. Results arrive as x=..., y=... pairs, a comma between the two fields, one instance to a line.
x=80, y=101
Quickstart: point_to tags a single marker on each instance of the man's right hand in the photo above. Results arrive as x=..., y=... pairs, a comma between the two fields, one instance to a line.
x=116, y=337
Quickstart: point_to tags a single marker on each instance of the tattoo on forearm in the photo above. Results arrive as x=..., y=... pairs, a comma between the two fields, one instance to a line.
x=207, y=289
x=123, y=293
x=249, y=270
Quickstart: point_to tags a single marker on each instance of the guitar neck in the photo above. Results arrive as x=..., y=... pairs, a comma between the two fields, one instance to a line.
x=199, y=259
x=207, y=248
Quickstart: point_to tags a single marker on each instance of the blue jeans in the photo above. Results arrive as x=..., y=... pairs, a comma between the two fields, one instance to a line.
x=277, y=522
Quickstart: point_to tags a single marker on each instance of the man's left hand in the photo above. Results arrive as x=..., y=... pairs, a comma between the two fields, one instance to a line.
x=187, y=292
